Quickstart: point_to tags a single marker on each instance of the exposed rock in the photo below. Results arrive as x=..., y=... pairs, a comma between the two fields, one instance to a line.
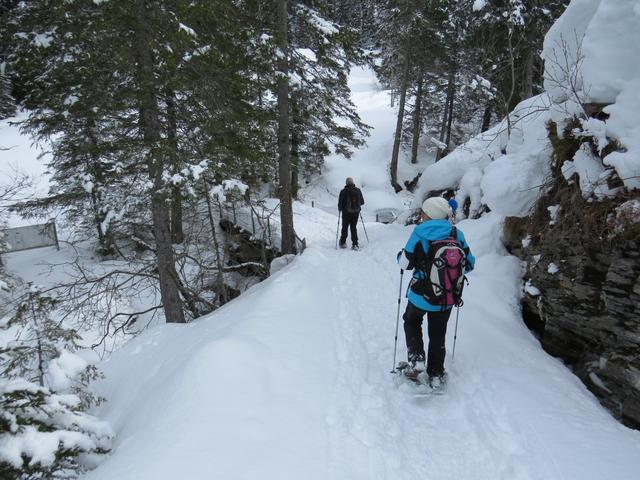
x=588, y=312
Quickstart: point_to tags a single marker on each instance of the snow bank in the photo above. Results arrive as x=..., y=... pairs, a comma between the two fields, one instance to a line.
x=504, y=167
x=591, y=57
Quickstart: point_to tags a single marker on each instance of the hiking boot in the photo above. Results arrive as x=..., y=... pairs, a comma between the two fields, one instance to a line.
x=343, y=245
x=413, y=370
x=355, y=247
x=438, y=382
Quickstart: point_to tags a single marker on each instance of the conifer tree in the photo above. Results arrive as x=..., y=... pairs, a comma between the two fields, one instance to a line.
x=320, y=116
x=44, y=397
x=7, y=104
x=156, y=91
x=323, y=117
x=507, y=39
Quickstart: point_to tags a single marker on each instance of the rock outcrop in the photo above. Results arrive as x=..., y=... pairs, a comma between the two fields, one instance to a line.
x=582, y=294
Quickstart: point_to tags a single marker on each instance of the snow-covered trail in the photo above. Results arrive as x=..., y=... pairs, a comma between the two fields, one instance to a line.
x=292, y=380
x=511, y=411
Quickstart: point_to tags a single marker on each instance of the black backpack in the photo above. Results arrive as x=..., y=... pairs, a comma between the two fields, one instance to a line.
x=352, y=201
x=443, y=267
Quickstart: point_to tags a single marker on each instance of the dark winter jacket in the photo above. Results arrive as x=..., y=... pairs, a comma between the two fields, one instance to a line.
x=350, y=199
x=421, y=238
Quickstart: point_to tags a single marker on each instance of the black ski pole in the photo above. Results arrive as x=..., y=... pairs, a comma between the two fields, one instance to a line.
x=363, y=227
x=455, y=335
x=337, y=229
x=395, y=347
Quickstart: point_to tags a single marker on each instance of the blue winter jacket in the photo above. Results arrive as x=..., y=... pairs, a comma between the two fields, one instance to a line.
x=424, y=234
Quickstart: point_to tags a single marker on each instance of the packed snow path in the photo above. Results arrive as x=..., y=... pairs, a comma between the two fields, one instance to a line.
x=291, y=380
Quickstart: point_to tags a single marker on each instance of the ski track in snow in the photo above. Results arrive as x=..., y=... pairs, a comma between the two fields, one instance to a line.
x=428, y=431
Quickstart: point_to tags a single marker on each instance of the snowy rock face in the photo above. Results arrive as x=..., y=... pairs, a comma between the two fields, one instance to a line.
x=591, y=56
x=588, y=267
x=582, y=297
x=503, y=168
x=563, y=165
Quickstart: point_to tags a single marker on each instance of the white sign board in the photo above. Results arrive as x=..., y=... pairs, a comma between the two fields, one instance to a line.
x=32, y=236
x=386, y=215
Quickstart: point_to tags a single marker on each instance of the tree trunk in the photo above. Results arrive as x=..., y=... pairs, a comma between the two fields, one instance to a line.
x=150, y=126
x=284, y=166
x=94, y=167
x=486, y=117
x=398, y=136
x=527, y=76
x=452, y=97
x=445, y=115
x=417, y=120
x=222, y=289
x=512, y=67
x=295, y=168
x=177, y=233
x=531, y=53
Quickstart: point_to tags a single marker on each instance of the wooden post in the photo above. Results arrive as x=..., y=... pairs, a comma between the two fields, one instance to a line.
x=55, y=234
x=253, y=225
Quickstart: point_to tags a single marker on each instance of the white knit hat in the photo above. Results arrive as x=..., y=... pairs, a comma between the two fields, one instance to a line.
x=437, y=208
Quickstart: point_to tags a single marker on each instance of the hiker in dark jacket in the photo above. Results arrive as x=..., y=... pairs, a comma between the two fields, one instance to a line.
x=435, y=226
x=349, y=202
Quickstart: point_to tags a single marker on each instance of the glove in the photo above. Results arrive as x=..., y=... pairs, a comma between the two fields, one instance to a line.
x=402, y=260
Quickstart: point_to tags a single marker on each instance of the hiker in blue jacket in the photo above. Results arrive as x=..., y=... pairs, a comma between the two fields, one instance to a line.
x=435, y=225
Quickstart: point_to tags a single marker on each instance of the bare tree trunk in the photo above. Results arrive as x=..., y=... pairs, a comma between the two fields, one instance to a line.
x=222, y=288
x=177, y=233
x=507, y=100
x=93, y=165
x=150, y=126
x=417, y=119
x=295, y=168
x=486, y=117
x=529, y=65
x=398, y=135
x=295, y=146
x=452, y=97
x=527, y=77
x=284, y=164
x=445, y=114
x=41, y=365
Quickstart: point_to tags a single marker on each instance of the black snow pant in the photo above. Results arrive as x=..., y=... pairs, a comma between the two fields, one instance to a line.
x=349, y=221
x=437, y=329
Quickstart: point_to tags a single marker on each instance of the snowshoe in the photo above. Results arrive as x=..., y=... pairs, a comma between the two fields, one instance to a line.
x=423, y=384
x=411, y=372
x=438, y=384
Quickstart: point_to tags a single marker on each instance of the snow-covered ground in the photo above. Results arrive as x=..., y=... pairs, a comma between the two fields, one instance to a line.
x=292, y=379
